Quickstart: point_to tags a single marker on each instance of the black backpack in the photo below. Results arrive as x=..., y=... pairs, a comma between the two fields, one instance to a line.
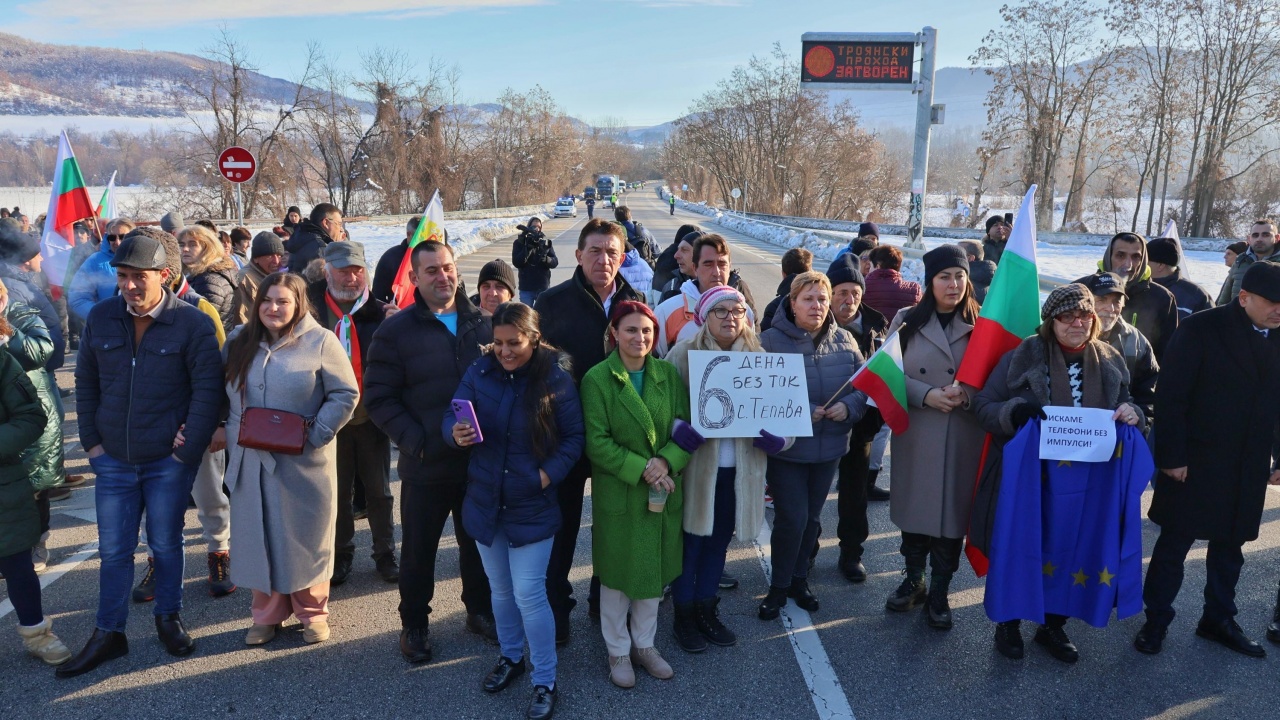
x=648, y=248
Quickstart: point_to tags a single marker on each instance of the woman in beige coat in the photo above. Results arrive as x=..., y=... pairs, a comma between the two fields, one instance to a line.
x=723, y=482
x=284, y=507
x=935, y=462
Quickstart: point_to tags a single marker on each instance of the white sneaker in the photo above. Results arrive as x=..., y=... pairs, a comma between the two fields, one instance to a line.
x=40, y=557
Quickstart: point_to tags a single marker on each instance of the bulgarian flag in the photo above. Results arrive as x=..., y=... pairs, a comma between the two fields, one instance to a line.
x=431, y=228
x=107, y=205
x=69, y=203
x=884, y=381
x=1011, y=311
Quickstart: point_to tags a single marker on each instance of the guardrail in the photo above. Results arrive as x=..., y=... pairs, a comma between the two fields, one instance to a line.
x=485, y=214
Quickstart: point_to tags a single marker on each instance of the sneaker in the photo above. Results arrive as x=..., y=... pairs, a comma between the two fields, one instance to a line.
x=73, y=480
x=220, y=584
x=40, y=556
x=768, y=501
x=146, y=589
x=652, y=662
x=727, y=581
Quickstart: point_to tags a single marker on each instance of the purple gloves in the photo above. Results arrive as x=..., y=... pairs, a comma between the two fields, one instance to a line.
x=683, y=435
x=768, y=442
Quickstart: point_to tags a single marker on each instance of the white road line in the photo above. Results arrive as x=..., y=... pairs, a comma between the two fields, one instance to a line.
x=828, y=696
x=54, y=573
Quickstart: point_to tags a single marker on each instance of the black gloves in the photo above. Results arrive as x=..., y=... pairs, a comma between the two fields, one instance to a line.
x=1024, y=412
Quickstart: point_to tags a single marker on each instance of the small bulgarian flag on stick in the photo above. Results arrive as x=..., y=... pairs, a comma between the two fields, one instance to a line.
x=884, y=381
x=430, y=228
x=1011, y=311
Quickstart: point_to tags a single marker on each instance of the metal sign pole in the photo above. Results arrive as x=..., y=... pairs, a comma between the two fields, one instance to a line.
x=239, y=206
x=920, y=158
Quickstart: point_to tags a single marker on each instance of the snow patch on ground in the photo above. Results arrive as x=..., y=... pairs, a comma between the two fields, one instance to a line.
x=465, y=236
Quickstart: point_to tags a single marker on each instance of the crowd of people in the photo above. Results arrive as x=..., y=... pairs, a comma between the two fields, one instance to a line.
x=279, y=366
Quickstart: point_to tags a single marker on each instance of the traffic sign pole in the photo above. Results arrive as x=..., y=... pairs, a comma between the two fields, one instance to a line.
x=239, y=207
x=920, y=157
x=238, y=166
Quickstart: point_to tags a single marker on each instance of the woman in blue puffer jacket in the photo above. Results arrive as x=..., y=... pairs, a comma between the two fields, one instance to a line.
x=530, y=422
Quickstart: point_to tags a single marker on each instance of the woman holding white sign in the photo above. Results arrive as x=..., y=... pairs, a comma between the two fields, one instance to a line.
x=1065, y=365
x=933, y=464
x=800, y=476
x=723, y=482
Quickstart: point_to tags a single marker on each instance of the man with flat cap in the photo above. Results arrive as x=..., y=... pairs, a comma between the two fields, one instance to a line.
x=149, y=396
x=1219, y=403
x=342, y=302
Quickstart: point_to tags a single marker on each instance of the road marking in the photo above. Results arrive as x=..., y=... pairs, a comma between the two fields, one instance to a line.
x=54, y=573
x=828, y=697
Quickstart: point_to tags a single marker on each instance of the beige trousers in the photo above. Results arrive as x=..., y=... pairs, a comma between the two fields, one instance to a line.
x=613, y=621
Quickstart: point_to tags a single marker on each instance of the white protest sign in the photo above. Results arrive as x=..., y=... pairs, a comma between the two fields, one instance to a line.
x=738, y=394
x=1077, y=434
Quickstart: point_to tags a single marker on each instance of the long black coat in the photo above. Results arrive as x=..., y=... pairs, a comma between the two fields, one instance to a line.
x=1218, y=401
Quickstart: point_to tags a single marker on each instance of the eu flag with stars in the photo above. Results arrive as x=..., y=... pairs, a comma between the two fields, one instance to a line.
x=1067, y=537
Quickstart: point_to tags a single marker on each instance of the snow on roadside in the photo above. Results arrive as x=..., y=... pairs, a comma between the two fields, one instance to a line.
x=465, y=236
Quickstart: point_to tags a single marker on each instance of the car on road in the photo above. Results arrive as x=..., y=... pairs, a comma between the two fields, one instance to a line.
x=566, y=207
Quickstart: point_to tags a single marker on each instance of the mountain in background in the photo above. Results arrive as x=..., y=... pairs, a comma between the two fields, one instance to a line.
x=101, y=85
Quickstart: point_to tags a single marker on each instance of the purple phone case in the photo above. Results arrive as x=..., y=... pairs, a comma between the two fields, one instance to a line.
x=465, y=412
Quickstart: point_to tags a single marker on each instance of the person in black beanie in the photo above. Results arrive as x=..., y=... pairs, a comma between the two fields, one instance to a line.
x=855, y=483
x=666, y=266
x=981, y=271
x=936, y=460
x=497, y=285
x=996, y=237
x=1164, y=255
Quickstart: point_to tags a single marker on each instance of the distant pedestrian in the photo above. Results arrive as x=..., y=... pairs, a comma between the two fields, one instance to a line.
x=672, y=199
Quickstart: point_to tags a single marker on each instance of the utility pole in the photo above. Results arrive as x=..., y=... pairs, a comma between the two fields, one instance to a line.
x=924, y=123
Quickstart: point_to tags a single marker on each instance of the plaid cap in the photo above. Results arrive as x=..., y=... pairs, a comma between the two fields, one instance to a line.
x=1066, y=298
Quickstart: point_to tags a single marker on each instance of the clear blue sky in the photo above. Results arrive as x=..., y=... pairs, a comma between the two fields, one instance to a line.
x=643, y=61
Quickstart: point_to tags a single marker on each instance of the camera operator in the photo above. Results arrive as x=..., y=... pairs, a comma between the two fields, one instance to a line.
x=534, y=257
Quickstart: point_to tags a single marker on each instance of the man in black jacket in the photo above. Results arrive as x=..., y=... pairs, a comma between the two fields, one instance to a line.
x=416, y=360
x=667, y=266
x=1165, y=257
x=1218, y=410
x=855, y=482
x=342, y=301
x=1151, y=308
x=389, y=264
x=794, y=262
x=313, y=234
x=149, y=393
x=575, y=314
x=534, y=258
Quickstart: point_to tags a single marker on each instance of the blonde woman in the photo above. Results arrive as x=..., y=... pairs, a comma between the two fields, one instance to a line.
x=209, y=271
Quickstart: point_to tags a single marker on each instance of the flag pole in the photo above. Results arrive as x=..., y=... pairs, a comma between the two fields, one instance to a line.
x=859, y=371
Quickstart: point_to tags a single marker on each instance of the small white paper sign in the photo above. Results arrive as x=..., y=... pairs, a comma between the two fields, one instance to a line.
x=738, y=394
x=1077, y=434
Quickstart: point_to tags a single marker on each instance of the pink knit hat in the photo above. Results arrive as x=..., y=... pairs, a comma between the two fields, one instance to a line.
x=715, y=296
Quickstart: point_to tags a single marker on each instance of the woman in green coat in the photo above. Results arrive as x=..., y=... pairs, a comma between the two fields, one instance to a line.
x=630, y=402
x=22, y=419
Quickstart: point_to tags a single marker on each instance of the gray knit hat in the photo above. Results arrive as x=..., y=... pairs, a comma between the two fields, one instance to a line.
x=265, y=243
x=1066, y=298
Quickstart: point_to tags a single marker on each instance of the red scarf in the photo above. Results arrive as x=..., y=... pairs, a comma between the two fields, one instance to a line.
x=347, y=335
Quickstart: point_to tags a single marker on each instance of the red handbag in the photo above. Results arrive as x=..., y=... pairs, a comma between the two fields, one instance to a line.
x=277, y=431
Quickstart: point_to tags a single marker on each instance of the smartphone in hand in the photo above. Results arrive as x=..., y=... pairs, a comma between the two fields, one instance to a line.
x=465, y=412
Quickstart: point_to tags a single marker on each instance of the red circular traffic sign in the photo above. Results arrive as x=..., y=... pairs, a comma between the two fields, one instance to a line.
x=237, y=164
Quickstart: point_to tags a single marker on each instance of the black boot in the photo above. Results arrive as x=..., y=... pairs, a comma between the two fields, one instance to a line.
x=800, y=592
x=415, y=645
x=852, y=568
x=937, y=607
x=103, y=645
x=910, y=593
x=1053, y=637
x=875, y=493
x=707, y=617
x=1009, y=639
x=773, y=603
x=686, y=629
x=174, y=636
x=1273, y=630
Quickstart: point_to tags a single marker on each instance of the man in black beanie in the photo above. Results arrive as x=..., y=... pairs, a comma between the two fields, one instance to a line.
x=266, y=255
x=856, y=484
x=1216, y=401
x=994, y=241
x=497, y=285
x=1165, y=257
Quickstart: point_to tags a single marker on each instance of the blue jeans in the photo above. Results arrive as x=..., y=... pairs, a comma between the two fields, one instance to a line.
x=518, y=580
x=529, y=297
x=121, y=491
x=704, y=556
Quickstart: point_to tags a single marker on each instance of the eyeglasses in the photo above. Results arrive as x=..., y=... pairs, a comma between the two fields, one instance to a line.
x=1077, y=316
x=114, y=238
x=722, y=313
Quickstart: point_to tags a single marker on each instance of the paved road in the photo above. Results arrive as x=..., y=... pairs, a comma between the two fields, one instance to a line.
x=883, y=665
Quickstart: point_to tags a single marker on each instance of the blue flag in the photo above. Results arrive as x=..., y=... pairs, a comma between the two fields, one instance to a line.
x=1067, y=537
